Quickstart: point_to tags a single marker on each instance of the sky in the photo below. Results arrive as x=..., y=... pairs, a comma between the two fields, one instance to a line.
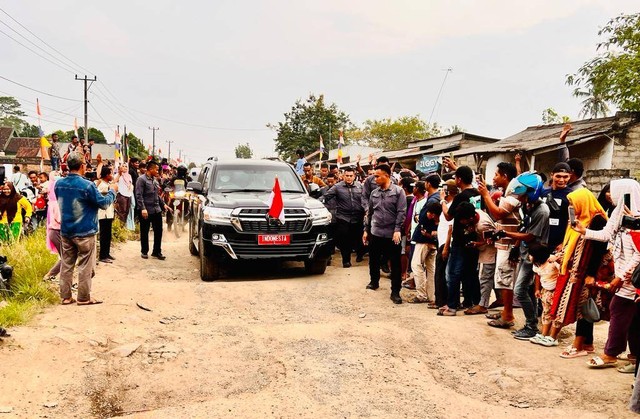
x=212, y=75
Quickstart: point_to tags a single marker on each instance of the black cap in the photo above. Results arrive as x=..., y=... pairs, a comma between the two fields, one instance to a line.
x=561, y=167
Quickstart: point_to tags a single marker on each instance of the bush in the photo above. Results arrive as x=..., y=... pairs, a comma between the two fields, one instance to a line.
x=31, y=260
x=119, y=232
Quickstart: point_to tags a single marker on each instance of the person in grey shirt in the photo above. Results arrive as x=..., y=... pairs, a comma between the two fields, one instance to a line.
x=343, y=200
x=148, y=199
x=383, y=224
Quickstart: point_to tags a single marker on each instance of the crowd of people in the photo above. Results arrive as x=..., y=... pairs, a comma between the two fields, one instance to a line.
x=546, y=245
x=78, y=201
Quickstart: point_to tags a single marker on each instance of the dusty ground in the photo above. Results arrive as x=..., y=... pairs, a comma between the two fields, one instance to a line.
x=283, y=345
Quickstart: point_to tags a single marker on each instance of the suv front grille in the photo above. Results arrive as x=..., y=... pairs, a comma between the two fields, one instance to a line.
x=254, y=220
x=255, y=226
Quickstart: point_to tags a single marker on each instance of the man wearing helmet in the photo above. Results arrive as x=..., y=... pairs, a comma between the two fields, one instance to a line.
x=528, y=188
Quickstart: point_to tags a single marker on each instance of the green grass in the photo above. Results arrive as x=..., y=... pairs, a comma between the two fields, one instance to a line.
x=31, y=260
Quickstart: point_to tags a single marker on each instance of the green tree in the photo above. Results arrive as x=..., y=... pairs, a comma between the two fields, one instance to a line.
x=614, y=74
x=593, y=103
x=550, y=116
x=63, y=137
x=395, y=134
x=243, y=151
x=29, y=130
x=303, y=125
x=10, y=113
x=94, y=134
x=136, y=148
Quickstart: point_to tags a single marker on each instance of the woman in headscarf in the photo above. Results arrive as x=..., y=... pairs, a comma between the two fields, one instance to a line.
x=624, y=320
x=54, y=240
x=604, y=198
x=11, y=206
x=581, y=260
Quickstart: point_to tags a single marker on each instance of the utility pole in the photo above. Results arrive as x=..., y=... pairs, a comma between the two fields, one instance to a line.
x=180, y=155
x=169, y=142
x=153, y=144
x=86, y=104
x=125, y=147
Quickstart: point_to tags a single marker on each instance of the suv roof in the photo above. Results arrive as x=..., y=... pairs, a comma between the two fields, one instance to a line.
x=251, y=162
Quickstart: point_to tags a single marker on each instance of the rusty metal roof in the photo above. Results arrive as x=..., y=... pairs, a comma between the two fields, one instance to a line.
x=543, y=138
x=5, y=134
x=27, y=152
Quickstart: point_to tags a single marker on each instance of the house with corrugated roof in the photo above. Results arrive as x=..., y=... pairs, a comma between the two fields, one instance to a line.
x=609, y=148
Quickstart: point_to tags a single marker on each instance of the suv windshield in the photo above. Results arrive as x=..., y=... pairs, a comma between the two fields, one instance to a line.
x=248, y=178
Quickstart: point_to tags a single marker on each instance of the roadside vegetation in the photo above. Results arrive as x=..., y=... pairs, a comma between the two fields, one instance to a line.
x=31, y=260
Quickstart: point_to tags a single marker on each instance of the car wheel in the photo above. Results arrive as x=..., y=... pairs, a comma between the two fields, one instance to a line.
x=209, y=267
x=316, y=266
x=192, y=247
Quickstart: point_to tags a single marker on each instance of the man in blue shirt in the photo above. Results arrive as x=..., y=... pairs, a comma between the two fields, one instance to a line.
x=79, y=201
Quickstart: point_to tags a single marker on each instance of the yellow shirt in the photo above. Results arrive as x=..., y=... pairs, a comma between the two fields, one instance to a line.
x=23, y=203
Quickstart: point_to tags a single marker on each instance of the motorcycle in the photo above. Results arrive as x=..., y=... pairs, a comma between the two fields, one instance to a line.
x=178, y=199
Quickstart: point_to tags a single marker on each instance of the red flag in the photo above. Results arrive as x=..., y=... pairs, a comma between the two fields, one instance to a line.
x=276, y=205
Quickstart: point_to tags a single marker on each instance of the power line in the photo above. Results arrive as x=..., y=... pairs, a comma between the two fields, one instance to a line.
x=101, y=118
x=64, y=112
x=118, y=113
x=38, y=54
x=37, y=46
x=44, y=42
x=126, y=111
x=39, y=91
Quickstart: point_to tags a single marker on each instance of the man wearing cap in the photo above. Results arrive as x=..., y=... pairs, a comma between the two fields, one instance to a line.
x=556, y=199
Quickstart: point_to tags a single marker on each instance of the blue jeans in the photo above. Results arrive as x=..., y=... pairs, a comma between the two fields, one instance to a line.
x=462, y=267
x=55, y=163
x=524, y=281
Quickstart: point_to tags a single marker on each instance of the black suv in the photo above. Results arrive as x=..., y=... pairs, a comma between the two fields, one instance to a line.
x=230, y=220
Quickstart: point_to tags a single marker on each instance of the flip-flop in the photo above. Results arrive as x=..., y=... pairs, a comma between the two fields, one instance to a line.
x=68, y=301
x=627, y=369
x=500, y=324
x=89, y=302
x=493, y=316
x=571, y=352
x=598, y=363
x=475, y=310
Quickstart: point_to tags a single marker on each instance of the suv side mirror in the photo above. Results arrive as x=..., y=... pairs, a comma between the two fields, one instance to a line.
x=314, y=190
x=195, y=187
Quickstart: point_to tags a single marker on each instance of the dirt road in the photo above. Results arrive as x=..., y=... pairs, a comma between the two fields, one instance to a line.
x=283, y=345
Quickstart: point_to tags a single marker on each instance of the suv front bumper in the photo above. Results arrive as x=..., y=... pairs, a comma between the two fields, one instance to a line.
x=240, y=245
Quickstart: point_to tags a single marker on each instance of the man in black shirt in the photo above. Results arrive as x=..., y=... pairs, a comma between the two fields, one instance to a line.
x=463, y=259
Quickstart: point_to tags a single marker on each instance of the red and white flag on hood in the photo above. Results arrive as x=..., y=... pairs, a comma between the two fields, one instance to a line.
x=276, y=205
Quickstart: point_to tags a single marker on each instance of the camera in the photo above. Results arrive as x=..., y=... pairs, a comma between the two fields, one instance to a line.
x=6, y=272
x=494, y=235
x=632, y=223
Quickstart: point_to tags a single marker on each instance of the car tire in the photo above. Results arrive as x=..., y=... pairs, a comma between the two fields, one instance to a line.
x=209, y=267
x=192, y=247
x=316, y=266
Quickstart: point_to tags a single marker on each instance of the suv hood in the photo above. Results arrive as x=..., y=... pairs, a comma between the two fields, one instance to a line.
x=261, y=199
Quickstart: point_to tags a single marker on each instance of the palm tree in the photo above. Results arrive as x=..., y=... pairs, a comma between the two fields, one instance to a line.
x=593, y=103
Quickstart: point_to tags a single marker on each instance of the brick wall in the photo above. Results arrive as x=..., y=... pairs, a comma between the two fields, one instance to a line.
x=596, y=179
x=626, y=152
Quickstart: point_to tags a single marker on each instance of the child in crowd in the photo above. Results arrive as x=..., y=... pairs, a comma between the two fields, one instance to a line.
x=546, y=269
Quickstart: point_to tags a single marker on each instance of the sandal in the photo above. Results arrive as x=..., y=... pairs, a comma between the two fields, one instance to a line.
x=432, y=306
x=68, y=301
x=500, y=323
x=477, y=309
x=447, y=312
x=627, y=369
x=89, y=302
x=597, y=363
x=572, y=352
x=493, y=316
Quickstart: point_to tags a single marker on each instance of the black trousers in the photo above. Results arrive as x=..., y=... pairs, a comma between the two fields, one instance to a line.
x=441, y=279
x=105, y=237
x=348, y=237
x=382, y=246
x=154, y=220
x=470, y=279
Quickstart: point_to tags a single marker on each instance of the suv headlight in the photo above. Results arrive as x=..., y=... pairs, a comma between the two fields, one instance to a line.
x=217, y=215
x=320, y=216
